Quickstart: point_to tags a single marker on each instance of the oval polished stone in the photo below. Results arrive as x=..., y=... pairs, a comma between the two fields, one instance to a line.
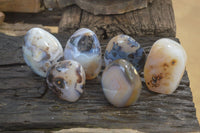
x=66, y=79
x=41, y=50
x=121, y=83
x=165, y=66
x=84, y=47
x=125, y=47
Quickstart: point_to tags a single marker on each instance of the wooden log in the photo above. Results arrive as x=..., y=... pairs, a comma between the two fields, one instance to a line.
x=65, y=3
x=2, y=17
x=31, y=6
x=103, y=7
x=107, y=7
x=70, y=21
x=58, y=3
x=156, y=20
x=26, y=103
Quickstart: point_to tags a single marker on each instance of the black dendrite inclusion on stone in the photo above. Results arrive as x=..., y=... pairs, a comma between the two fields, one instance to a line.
x=136, y=58
x=85, y=43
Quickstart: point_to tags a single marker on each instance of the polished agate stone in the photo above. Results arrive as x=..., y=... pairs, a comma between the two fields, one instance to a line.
x=121, y=83
x=165, y=66
x=66, y=79
x=41, y=50
x=84, y=47
x=125, y=47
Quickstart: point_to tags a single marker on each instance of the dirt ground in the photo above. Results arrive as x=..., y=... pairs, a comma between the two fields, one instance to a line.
x=188, y=30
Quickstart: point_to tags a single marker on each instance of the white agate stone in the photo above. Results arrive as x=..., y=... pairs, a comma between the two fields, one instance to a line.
x=125, y=47
x=121, y=83
x=66, y=79
x=165, y=66
x=84, y=47
x=41, y=50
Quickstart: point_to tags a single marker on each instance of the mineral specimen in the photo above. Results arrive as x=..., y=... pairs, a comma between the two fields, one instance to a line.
x=125, y=47
x=41, y=50
x=165, y=66
x=66, y=79
x=121, y=83
x=84, y=47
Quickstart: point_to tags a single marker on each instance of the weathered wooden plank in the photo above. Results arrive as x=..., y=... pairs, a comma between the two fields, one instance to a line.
x=157, y=20
x=26, y=103
x=32, y=6
x=47, y=18
x=97, y=7
x=107, y=7
x=71, y=21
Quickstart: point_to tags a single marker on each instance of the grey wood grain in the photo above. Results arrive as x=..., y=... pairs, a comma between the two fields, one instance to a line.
x=97, y=7
x=27, y=104
x=157, y=19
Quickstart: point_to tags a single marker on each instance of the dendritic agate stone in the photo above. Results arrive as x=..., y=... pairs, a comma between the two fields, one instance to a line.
x=125, y=47
x=165, y=66
x=66, y=79
x=121, y=83
x=41, y=50
x=84, y=47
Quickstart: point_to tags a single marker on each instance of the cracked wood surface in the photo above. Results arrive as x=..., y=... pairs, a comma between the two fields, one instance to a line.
x=26, y=102
x=157, y=19
x=97, y=7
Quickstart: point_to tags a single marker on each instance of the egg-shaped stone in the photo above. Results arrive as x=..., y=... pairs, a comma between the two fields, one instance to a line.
x=165, y=66
x=83, y=46
x=125, y=47
x=121, y=83
x=41, y=50
x=66, y=79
